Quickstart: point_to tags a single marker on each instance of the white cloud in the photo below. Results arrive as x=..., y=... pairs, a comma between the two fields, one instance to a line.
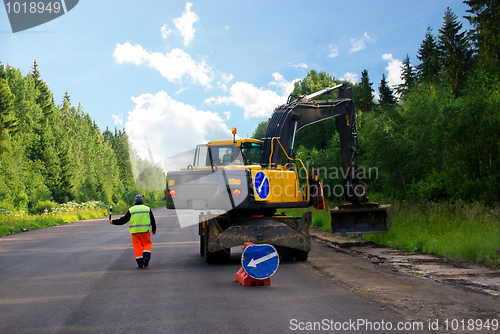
x=173, y=65
x=227, y=27
x=185, y=24
x=256, y=102
x=301, y=65
x=350, y=77
x=227, y=114
x=180, y=90
x=227, y=77
x=118, y=119
x=393, y=69
x=222, y=86
x=278, y=77
x=286, y=87
x=165, y=32
x=358, y=44
x=334, y=51
x=170, y=127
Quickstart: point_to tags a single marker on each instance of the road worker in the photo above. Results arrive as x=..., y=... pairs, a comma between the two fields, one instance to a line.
x=142, y=222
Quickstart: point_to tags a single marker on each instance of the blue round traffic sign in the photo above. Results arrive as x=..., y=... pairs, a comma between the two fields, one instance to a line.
x=260, y=261
x=262, y=185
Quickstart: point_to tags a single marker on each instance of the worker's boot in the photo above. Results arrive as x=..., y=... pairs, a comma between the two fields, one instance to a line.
x=140, y=262
x=147, y=257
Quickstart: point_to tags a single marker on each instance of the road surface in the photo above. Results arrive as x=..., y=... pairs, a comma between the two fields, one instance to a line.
x=82, y=278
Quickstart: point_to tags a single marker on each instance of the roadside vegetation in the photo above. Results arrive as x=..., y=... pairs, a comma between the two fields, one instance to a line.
x=56, y=152
x=459, y=231
x=55, y=156
x=49, y=213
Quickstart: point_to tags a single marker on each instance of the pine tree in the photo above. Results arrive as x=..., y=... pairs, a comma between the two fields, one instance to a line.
x=428, y=55
x=7, y=120
x=45, y=100
x=120, y=146
x=408, y=76
x=65, y=189
x=366, y=93
x=454, y=51
x=66, y=104
x=486, y=32
x=3, y=73
x=387, y=99
x=35, y=73
x=7, y=99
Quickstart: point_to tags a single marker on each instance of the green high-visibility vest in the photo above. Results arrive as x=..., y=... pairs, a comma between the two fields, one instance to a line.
x=139, y=219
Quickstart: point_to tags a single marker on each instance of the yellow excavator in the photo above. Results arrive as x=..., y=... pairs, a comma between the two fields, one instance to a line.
x=238, y=188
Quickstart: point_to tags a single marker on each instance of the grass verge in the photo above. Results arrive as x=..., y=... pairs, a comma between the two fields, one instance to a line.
x=18, y=221
x=459, y=231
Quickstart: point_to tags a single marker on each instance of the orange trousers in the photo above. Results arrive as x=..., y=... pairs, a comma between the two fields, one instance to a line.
x=141, y=243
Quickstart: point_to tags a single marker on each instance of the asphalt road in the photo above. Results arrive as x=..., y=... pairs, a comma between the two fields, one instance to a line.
x=82, y=278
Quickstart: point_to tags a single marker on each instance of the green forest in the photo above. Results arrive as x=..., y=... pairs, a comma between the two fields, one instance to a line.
x=434, y=137
x=55, y=153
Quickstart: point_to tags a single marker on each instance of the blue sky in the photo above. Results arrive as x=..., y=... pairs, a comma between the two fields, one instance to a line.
x=175, y=73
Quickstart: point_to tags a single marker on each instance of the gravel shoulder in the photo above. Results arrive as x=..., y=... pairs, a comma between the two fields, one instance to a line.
x=418, y=286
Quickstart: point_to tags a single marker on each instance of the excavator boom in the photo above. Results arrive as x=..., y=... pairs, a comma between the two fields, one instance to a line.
x=360, y=216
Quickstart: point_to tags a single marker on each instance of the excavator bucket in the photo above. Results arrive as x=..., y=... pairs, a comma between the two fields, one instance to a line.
x=361, y=218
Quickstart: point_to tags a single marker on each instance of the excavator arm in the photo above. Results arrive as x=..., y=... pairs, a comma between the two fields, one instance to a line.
x=295, y=115
x=360, y=216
